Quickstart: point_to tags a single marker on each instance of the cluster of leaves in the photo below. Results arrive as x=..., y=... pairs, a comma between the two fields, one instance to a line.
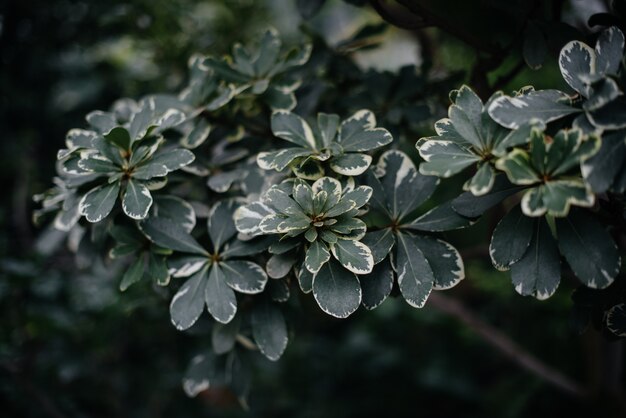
x=334, y=214
x=558, y=159
x=319, y=213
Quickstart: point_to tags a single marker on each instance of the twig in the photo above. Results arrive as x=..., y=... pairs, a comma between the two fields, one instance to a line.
x=505, y=345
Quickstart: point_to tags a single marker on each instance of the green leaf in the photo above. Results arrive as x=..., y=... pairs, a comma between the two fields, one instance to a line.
x=269, y=48
x=556, y=197
x=316, y=256
x=104, y=122
x=98, y=203
x=293, y=128
x=143, y=120
x=609, y=115
x=577, y=62
x=149, y=170
x=269, y=329
x=238, y=248
x=173, y=159
x=542, y=106
x=358, y=133
x=472, y=206
x=188, y=303
x=305, y=279
x=167, y=234
x=353, y=255
x=133, y=274
x=185, y=266
x=538, y=272
x=201, y=372
x=377, y=285
x=279, y=265
x=511, y=239
x=308, y=169
x=248, y=218
x=405, y=189
x=279, y=160
x=535, y=48
x=96, y=163
x=443, y=259
x=281, y=202
x=303, y=195
x=336, y=290
x=440, y=218
x=380, y=243
x=198, y=135
x=332, y=189
x=609, y=51
x=616, y=320
x=328, y=125
x=137, y=200
x=600, y=170
x=221, y=182
x=588, y=248
x=415, y=276
x=224, y=336
x=244, y=276
x=219, y=297
x=359, y=195
x=220, y=223
x=280, y=100
x=482, y=181
x=157, y=269
x=518, y=167
x=444, y=158
x=175, y=209
x=351, y=164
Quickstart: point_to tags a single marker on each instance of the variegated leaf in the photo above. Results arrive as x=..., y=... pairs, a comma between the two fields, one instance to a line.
x=269, y=329
x=336, y=290
x=188, y=303
x=98, y=203
x=137, y=200
x=244, y=276
x=588, y=248
x=511, y=239
x=358, y=133
x=219, y=297
x=538, y=272
x=353, y=255
x=351, y=164
x=293, y=128
x=316, y=256
x=542, y=106
x=415, y=276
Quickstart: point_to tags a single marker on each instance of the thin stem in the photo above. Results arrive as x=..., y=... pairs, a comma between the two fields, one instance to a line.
x=505, y=345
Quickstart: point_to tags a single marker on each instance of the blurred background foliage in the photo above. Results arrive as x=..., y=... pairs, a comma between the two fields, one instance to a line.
x=72, y=346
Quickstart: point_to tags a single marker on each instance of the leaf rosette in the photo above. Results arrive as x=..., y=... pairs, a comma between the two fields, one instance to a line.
x=339, y=146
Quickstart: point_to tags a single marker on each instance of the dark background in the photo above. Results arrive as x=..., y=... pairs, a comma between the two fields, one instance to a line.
x=71, y=345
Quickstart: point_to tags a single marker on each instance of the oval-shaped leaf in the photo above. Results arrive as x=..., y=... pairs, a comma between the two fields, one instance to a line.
x=511, y=238
x=269, y=329
x=415, y=276
x=167, y=234
x=588, y=248
x=336, y=290
x=219, y=297
x=244, y=276
x=99, y=202
x=538, y=272
x=188, y=303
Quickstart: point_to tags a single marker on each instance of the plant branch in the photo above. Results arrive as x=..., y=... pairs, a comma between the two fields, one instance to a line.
x=505, y=345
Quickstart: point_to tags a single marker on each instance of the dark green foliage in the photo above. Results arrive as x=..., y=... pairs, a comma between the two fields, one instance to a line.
x=284, y=173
